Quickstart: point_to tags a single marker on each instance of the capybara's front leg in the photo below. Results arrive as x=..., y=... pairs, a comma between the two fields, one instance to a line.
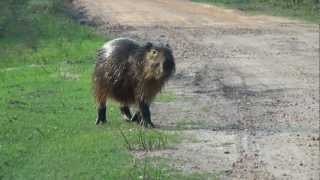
x=146, y=116
x=125, y=111
x=101, y=113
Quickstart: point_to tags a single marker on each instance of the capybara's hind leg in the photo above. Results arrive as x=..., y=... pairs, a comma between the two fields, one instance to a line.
x=146, y=116
x=136, y=117
x=101, y=113
x=125, y=111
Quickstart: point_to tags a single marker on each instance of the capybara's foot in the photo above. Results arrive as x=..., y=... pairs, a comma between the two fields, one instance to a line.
x=145, y=113
x=126, y=113
x=101, y=115
x=136, y=117
x=100, y=121
x=146, y=124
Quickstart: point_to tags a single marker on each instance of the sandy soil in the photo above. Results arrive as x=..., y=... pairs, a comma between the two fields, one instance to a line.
x=246, y=86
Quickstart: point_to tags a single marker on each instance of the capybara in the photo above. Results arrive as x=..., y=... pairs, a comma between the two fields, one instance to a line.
x=131, y=74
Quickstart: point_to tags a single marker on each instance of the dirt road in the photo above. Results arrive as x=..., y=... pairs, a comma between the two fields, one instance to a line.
x=246, y=86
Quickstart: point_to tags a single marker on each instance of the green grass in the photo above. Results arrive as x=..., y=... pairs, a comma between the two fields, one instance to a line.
x=138, y=139
x=166, y=96
x=157, y=169
x=61, y=40
x=307, y=10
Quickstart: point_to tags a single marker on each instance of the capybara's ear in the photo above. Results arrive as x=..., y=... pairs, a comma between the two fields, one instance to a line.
x=148, y=45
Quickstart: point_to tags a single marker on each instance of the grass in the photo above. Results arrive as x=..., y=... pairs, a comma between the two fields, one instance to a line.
x=157, y=169
x=139, y=139
x=307, y=10
x=165, y=97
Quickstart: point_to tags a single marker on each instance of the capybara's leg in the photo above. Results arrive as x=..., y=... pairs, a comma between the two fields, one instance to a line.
x=136, y=117
x=146, y=116
x=125, y=111
x=101, y=113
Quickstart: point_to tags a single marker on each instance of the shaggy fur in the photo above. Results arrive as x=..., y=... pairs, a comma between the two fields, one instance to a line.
x=131, y=74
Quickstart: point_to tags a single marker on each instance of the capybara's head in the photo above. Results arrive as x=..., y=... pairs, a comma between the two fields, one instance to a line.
x=158, y=62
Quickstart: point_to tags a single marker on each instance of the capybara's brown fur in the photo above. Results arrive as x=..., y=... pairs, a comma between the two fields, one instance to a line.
x=131, y=74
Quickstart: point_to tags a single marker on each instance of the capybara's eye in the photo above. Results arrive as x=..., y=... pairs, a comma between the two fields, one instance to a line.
x=154, y=52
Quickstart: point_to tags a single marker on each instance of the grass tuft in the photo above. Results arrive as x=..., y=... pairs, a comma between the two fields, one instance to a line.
x=141, y=139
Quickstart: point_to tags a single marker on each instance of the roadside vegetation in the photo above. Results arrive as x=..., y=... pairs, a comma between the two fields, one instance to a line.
x=300, y=9
x=47, y=112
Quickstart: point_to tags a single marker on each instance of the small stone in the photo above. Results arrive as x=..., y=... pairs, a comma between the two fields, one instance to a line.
x=301, y=164
x=228, y=172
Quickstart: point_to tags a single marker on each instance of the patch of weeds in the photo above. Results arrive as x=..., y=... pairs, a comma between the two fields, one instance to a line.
x=146, y=169
x=154, y=168
x=143, y=139
x=68, y=71
x=166, y=96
